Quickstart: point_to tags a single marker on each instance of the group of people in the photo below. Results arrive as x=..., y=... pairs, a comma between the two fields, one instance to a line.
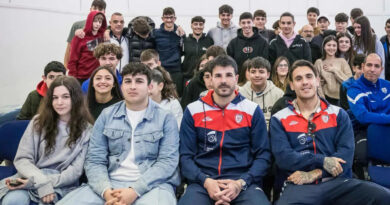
x=261, y=113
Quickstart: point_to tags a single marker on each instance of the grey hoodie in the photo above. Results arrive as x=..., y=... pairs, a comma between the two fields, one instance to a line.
x=266, y=99
x=222, y=36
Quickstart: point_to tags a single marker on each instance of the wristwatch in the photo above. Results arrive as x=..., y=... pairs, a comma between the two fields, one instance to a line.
x=243, y=184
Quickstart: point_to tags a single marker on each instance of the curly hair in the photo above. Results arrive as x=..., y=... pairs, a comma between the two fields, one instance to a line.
x=47, y=120
x=107, y=48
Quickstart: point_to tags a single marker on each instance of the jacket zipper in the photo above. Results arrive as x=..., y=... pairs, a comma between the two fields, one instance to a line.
x=221, y=143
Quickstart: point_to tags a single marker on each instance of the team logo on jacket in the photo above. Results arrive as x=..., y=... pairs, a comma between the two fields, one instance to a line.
x=302, y=138
x=325, y=118
x=239, y=118
x=247, y=49
x=384, y=90
x=212, y=136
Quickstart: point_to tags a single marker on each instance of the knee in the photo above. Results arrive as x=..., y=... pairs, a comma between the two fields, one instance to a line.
x=382, y=196
x=17, y=197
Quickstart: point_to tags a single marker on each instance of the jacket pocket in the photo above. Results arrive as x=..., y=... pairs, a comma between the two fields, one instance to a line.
x=151, y=144
x=114, y=140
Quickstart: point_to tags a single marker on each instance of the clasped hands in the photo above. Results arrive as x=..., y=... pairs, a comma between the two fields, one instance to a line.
x=222, y=191
x=123, y=196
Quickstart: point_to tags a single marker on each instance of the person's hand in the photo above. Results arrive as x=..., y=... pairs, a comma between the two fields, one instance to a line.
x=332, y=165
x=21, y=186
x=231, y=189
x=106, y=35
x=79, y=33
x=301, y=177
x=48, y=198
x=109, y=198
x=328, y=67
x=125, y=196
x=212, y=187
x=180, y=31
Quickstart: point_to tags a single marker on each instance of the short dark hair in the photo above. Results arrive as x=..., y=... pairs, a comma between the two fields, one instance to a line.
x=313, y=10
x=260, y=13
x=198, y=19
x=387, y=21
x=224, y=61
x=135, y=68
x=168, y=11
x=301, y=63
x=215, y=51
x=260, y=62
x=275, y=25
x=356, y=12
x=288, y=14
x=141, y=26
x=149, y=54
x=246, y=15
x=341, y=17
x=107, y=48
x=225, y=9
x=99, y=4
x=358, y=59
x=54, y=66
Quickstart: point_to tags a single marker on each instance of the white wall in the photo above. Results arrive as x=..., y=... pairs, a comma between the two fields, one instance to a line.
x=34, y=32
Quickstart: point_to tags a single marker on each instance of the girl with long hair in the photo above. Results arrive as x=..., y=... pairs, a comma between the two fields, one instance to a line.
x=279, y=73
x=345, y=48
x=332, y=70
x=164, y=93
x=244, y=75
x=50, y=157
x=366, y=42
x=103, y=90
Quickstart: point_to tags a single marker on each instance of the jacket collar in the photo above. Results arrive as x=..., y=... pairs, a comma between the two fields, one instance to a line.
x=369, y=83
x=208, y=99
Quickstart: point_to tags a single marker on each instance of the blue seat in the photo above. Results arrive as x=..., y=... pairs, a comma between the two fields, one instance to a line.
x=378, y=149
x=10, y=134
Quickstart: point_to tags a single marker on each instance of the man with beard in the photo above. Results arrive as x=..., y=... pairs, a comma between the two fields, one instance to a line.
x=224, y=147
x=307, y=33
x=194, y=46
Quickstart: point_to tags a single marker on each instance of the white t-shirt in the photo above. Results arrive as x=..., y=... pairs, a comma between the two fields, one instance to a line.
x=128, y=170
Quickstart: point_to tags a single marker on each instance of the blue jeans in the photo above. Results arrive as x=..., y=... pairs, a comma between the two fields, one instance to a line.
x=85, y=195
x=17, y=197
x=197, y=195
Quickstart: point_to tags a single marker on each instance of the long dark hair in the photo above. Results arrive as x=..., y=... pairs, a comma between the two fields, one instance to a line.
x=47, y=120
x=349, y=55
x=115, y=91
x=326, y=40
x=366, y=40
x=275, y=76
x=160, y=75
x=242, y=77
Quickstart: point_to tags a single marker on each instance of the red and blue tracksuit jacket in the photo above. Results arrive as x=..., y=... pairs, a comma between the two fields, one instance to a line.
x=295, y=150
x=224, y=143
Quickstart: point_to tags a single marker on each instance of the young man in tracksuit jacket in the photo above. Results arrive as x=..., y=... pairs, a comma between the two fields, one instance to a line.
x=224, y=148
x=288, y=43
x=313, y=145
x=194, y=46
x=248, y=43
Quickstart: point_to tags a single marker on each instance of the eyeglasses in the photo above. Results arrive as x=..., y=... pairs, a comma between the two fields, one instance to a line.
x=283, y=65
x=169, y=17
x=307, y=31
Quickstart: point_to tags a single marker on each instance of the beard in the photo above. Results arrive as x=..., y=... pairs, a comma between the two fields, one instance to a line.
x=219, y=92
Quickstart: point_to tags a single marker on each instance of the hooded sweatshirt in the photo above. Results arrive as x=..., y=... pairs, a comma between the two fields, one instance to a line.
x=242, y=48
x=31, y=105
x=194, y=88
x=265, y=99
x=82, y=62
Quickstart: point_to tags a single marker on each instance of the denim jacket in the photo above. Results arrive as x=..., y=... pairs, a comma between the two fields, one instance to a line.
x=156, y=146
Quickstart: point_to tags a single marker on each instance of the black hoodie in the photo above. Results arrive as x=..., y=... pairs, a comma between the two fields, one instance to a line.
x=289, y=95
x=194, y=88
x=242, y=48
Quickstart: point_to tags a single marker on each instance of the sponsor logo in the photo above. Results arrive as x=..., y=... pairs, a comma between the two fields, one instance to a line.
x=247, y=49
x=207, y=119
x=297, y=45
x=239, y=118
x=212, y=136
x=293, y=123
x=302, y=139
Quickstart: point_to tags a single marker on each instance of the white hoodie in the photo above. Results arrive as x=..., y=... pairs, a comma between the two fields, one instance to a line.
x=266, y=99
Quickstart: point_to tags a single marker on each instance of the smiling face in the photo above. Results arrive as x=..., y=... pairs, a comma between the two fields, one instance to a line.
x=62, y=102
x=358, y=29
x=258, y=77
x=282, y=69
x=135, y=89
x=103, y=82
x=225, y=19
x=246, y=26
x=304, y=83
x=197, y=28
x=224, y=81
x=330, y=48
x=344, y=44
x=312, y=18
x=169, y=21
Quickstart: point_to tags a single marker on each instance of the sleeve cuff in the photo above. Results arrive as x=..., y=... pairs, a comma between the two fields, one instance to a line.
x=45, y=190
x=202, y=177
x=319, y=160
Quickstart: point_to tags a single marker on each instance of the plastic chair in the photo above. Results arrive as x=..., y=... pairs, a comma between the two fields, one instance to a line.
x=378, y=145
x=10, y=135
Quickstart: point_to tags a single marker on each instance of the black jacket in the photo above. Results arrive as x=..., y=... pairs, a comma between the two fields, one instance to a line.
x=242, y=48
x=267, y=34
x=192, y=91
x=386, y=47
x=137, y=44
x=193, y=49
x=289, y=95
x=299, y=49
